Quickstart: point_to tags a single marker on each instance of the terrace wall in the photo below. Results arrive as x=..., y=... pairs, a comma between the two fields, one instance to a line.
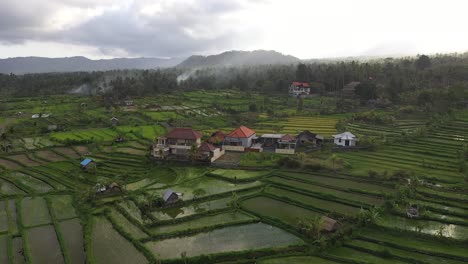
x=217, y=153
x=234, y=148
x=285, y=151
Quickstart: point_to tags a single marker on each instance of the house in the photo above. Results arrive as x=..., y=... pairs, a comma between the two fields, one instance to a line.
x=329, y=224
x=299, y=89
x=7, y=147
x=101, y=188
x=170, y=197
x=270, y=140
x=286, y=145
x=346, y=139
x=306, y=137
x=87, y=164
x=128, y=102
x=349, y=89
x=114, y=121
x=52, y=127
x=208, y=152
x=177, y=142
x=239, y=139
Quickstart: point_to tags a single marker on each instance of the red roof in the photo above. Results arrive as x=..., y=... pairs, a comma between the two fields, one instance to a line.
x=287, y=138
x=183, y=133
x=241, y=132
x=206, y=147
x=303, y=84
x=216, y=137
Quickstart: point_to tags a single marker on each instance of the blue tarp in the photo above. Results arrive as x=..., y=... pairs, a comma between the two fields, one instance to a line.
x=86, y=161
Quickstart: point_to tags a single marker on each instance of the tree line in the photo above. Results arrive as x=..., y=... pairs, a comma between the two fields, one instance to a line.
x=423, y=78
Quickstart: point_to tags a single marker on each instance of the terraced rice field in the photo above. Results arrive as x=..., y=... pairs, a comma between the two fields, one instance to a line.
x=289, y=214
x=434, y=156
x=108, y=246
x=324, y=126
x=239, y=174
x=203, y=222
x=48, y=204
x=228, y=239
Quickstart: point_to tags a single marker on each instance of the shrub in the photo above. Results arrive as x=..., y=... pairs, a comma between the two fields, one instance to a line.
x=372, y=174
x=288, y=163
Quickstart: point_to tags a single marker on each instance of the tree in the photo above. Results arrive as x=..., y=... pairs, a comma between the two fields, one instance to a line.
x=300, y=103
x=198, y=193
x=311, y=227
x=366, y=217
x=234, y=201
x=335, y=162
x=301, y=73
x=366, y=90
x=423, y=62
x=193, y=151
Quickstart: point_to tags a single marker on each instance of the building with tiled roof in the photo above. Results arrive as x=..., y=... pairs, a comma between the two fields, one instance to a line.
x=240, y=137
x=299, y=89
x=178, y=141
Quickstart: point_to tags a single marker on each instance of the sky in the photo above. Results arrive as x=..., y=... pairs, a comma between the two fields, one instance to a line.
x=100, y=29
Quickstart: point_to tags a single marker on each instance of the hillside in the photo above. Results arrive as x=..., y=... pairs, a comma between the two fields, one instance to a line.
x=238, y=58
x=24, y=65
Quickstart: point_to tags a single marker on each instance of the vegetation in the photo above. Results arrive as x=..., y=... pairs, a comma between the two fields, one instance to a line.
x=409, y=117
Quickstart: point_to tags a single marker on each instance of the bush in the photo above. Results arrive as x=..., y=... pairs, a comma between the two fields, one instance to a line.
x=289, y=163
x=372, y=174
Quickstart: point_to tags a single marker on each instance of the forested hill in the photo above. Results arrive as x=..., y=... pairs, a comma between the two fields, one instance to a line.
x=74, y=64
x=239, y=58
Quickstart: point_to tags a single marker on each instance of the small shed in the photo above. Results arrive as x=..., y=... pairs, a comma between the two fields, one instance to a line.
x=346, y=139
x=87, y=164
x=306, y=137
x=114, y=121
x=329, y=224
x=170, y=197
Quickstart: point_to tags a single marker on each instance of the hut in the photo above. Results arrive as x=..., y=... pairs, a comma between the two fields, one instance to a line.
x=329, y=224
x=170, y=197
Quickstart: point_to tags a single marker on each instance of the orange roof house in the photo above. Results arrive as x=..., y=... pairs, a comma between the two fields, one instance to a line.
x=241, y=132
x=241, y=136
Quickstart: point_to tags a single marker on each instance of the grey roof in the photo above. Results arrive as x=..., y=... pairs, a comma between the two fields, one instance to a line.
x=345, y=136
x=168, y=194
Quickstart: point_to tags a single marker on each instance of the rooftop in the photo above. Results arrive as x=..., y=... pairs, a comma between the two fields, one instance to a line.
x=206, y=147
x=300, y=84
x=86, y=161
x=241, y=132
x=272, y=136
x=168, y=194
x=183, y=133
x=345, y=136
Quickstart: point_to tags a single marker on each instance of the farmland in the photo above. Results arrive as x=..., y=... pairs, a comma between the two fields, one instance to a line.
x=248, y=213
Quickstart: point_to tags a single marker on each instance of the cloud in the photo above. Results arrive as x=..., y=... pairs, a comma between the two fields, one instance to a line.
x=136, y=28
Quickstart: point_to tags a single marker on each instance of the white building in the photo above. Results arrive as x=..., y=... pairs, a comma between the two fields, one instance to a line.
x=346, y=139
x=299, y=89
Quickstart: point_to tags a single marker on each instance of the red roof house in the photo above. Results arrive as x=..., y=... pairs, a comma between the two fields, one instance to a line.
x=300, y=84
x=299, y=89
x=241, y=136
x=183, y=133
x=206, y=147
x=241, y=132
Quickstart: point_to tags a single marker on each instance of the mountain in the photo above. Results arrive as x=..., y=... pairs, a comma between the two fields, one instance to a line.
x=24, y=65
x=238, y=58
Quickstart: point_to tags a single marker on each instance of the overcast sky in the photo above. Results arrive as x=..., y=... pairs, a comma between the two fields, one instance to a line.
x=179, y=28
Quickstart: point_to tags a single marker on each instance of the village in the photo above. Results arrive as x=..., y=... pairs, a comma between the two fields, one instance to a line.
x=148, y=176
